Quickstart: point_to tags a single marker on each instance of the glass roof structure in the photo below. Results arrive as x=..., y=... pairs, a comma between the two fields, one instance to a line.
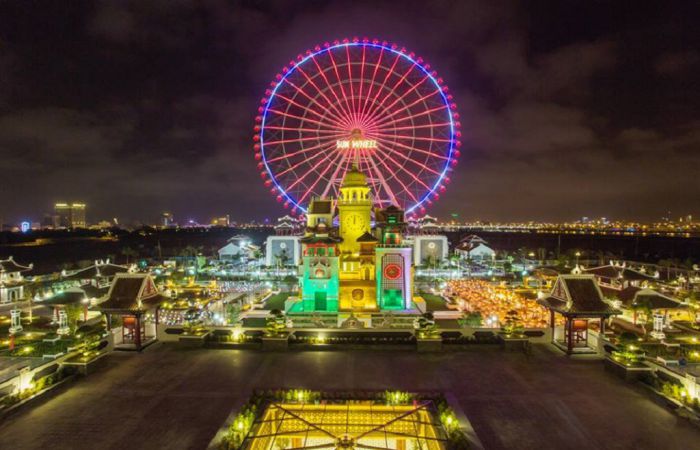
x=354, y=425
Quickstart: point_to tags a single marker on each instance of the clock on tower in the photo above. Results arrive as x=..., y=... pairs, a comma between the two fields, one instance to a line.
x=354, y=208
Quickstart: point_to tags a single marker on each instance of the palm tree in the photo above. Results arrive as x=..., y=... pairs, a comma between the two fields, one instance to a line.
x=129, y=252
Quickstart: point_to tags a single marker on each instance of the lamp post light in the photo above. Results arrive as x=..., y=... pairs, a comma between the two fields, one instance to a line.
x=578, y=254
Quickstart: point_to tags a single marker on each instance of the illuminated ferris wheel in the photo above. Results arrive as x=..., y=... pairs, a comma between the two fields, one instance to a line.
x=357, y=102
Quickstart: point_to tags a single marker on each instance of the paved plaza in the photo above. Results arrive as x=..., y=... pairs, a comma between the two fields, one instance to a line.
x=174, y=398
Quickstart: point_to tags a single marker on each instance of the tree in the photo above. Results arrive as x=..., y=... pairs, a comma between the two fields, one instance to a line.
x=472, y=319
x=513, y=324
x=281, y=259
x=73, y=313
x=129, y=252
x=233, y=313
x=275, y=323
x=430, y=261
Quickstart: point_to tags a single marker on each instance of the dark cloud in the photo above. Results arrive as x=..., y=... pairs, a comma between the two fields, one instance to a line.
x=140, y=106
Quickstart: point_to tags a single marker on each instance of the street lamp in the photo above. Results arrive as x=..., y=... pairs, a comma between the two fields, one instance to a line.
x=577, y=256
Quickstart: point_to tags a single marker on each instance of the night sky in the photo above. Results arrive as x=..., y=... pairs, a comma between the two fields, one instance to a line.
x=568, y=108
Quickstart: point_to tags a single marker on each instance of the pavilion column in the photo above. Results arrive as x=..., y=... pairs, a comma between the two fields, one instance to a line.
x=551, y=323
x=569, y=339
x=602, y=327
x=156, y=315
x=109, y=321
x=137, y=331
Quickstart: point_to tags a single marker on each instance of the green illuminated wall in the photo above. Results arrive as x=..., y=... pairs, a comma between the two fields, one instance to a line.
x=319, y=290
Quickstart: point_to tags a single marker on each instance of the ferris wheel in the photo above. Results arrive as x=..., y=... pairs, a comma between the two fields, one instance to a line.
x=362, y=103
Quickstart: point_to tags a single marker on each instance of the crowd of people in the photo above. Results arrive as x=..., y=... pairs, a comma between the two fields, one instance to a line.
x=496, y=303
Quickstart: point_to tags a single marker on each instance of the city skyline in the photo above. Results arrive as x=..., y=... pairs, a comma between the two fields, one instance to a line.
x=548, y=95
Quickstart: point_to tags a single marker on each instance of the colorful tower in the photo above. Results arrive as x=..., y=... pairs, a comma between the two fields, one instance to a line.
x=394, y=273
x=350, y=268
x=357, y=289
x=319, y=281
x=354, y=209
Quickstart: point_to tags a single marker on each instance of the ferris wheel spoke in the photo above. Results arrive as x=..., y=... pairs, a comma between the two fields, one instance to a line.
x=416, y=138
x=406, y=158
x=383, y=119
x=378, y=173
x=382, y=86
x=352, y=89
x=340, y=83
x=362, y=78
x=311, y=170
x=322, y=151
x=297, y=139
x=416, y=127
x=330, y=86
x=303, y=130
x=426, y=112
x=297, y=152
x=322, y=117
x=378, y=107
x=339, y=113
x=331, y=183
x=321, y=176
x=398, y=179
x=335, y=119
x=413, y=149
x=403, y=95
x=301, y=118
x=372, y=82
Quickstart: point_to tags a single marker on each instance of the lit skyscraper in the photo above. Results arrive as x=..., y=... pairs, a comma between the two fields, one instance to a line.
x=70, y=215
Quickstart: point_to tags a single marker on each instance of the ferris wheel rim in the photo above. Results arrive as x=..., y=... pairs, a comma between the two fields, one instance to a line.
x=449, y=106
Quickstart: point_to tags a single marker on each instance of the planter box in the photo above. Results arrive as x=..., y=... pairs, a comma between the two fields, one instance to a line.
x=275, y=344
x=52, y=356
x=48, y=392
x=514, y=344
x=88, y=367
x=191, y=341
x=429, y=345
x=627, y=373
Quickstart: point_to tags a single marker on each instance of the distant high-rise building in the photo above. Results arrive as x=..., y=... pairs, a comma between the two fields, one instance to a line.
x=167, y=219
x=222, y=221
x=77, y=215
x=62, y=213
x=69, y=215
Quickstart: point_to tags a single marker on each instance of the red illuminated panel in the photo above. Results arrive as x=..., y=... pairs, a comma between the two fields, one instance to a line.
x=392, y=271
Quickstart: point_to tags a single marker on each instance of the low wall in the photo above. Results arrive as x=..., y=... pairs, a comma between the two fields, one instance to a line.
x=690, y=383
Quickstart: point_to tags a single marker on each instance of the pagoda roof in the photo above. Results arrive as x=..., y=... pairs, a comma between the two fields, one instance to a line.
x=319, y=239
x=656, y=300
x=367, y=237
x=9, y=265
x=545, y=272
x=621, y=272
x=472, y=239
x=625, y=295
x=354, y=178
x=104, y=269
x=132, y=293
x=577, y=295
